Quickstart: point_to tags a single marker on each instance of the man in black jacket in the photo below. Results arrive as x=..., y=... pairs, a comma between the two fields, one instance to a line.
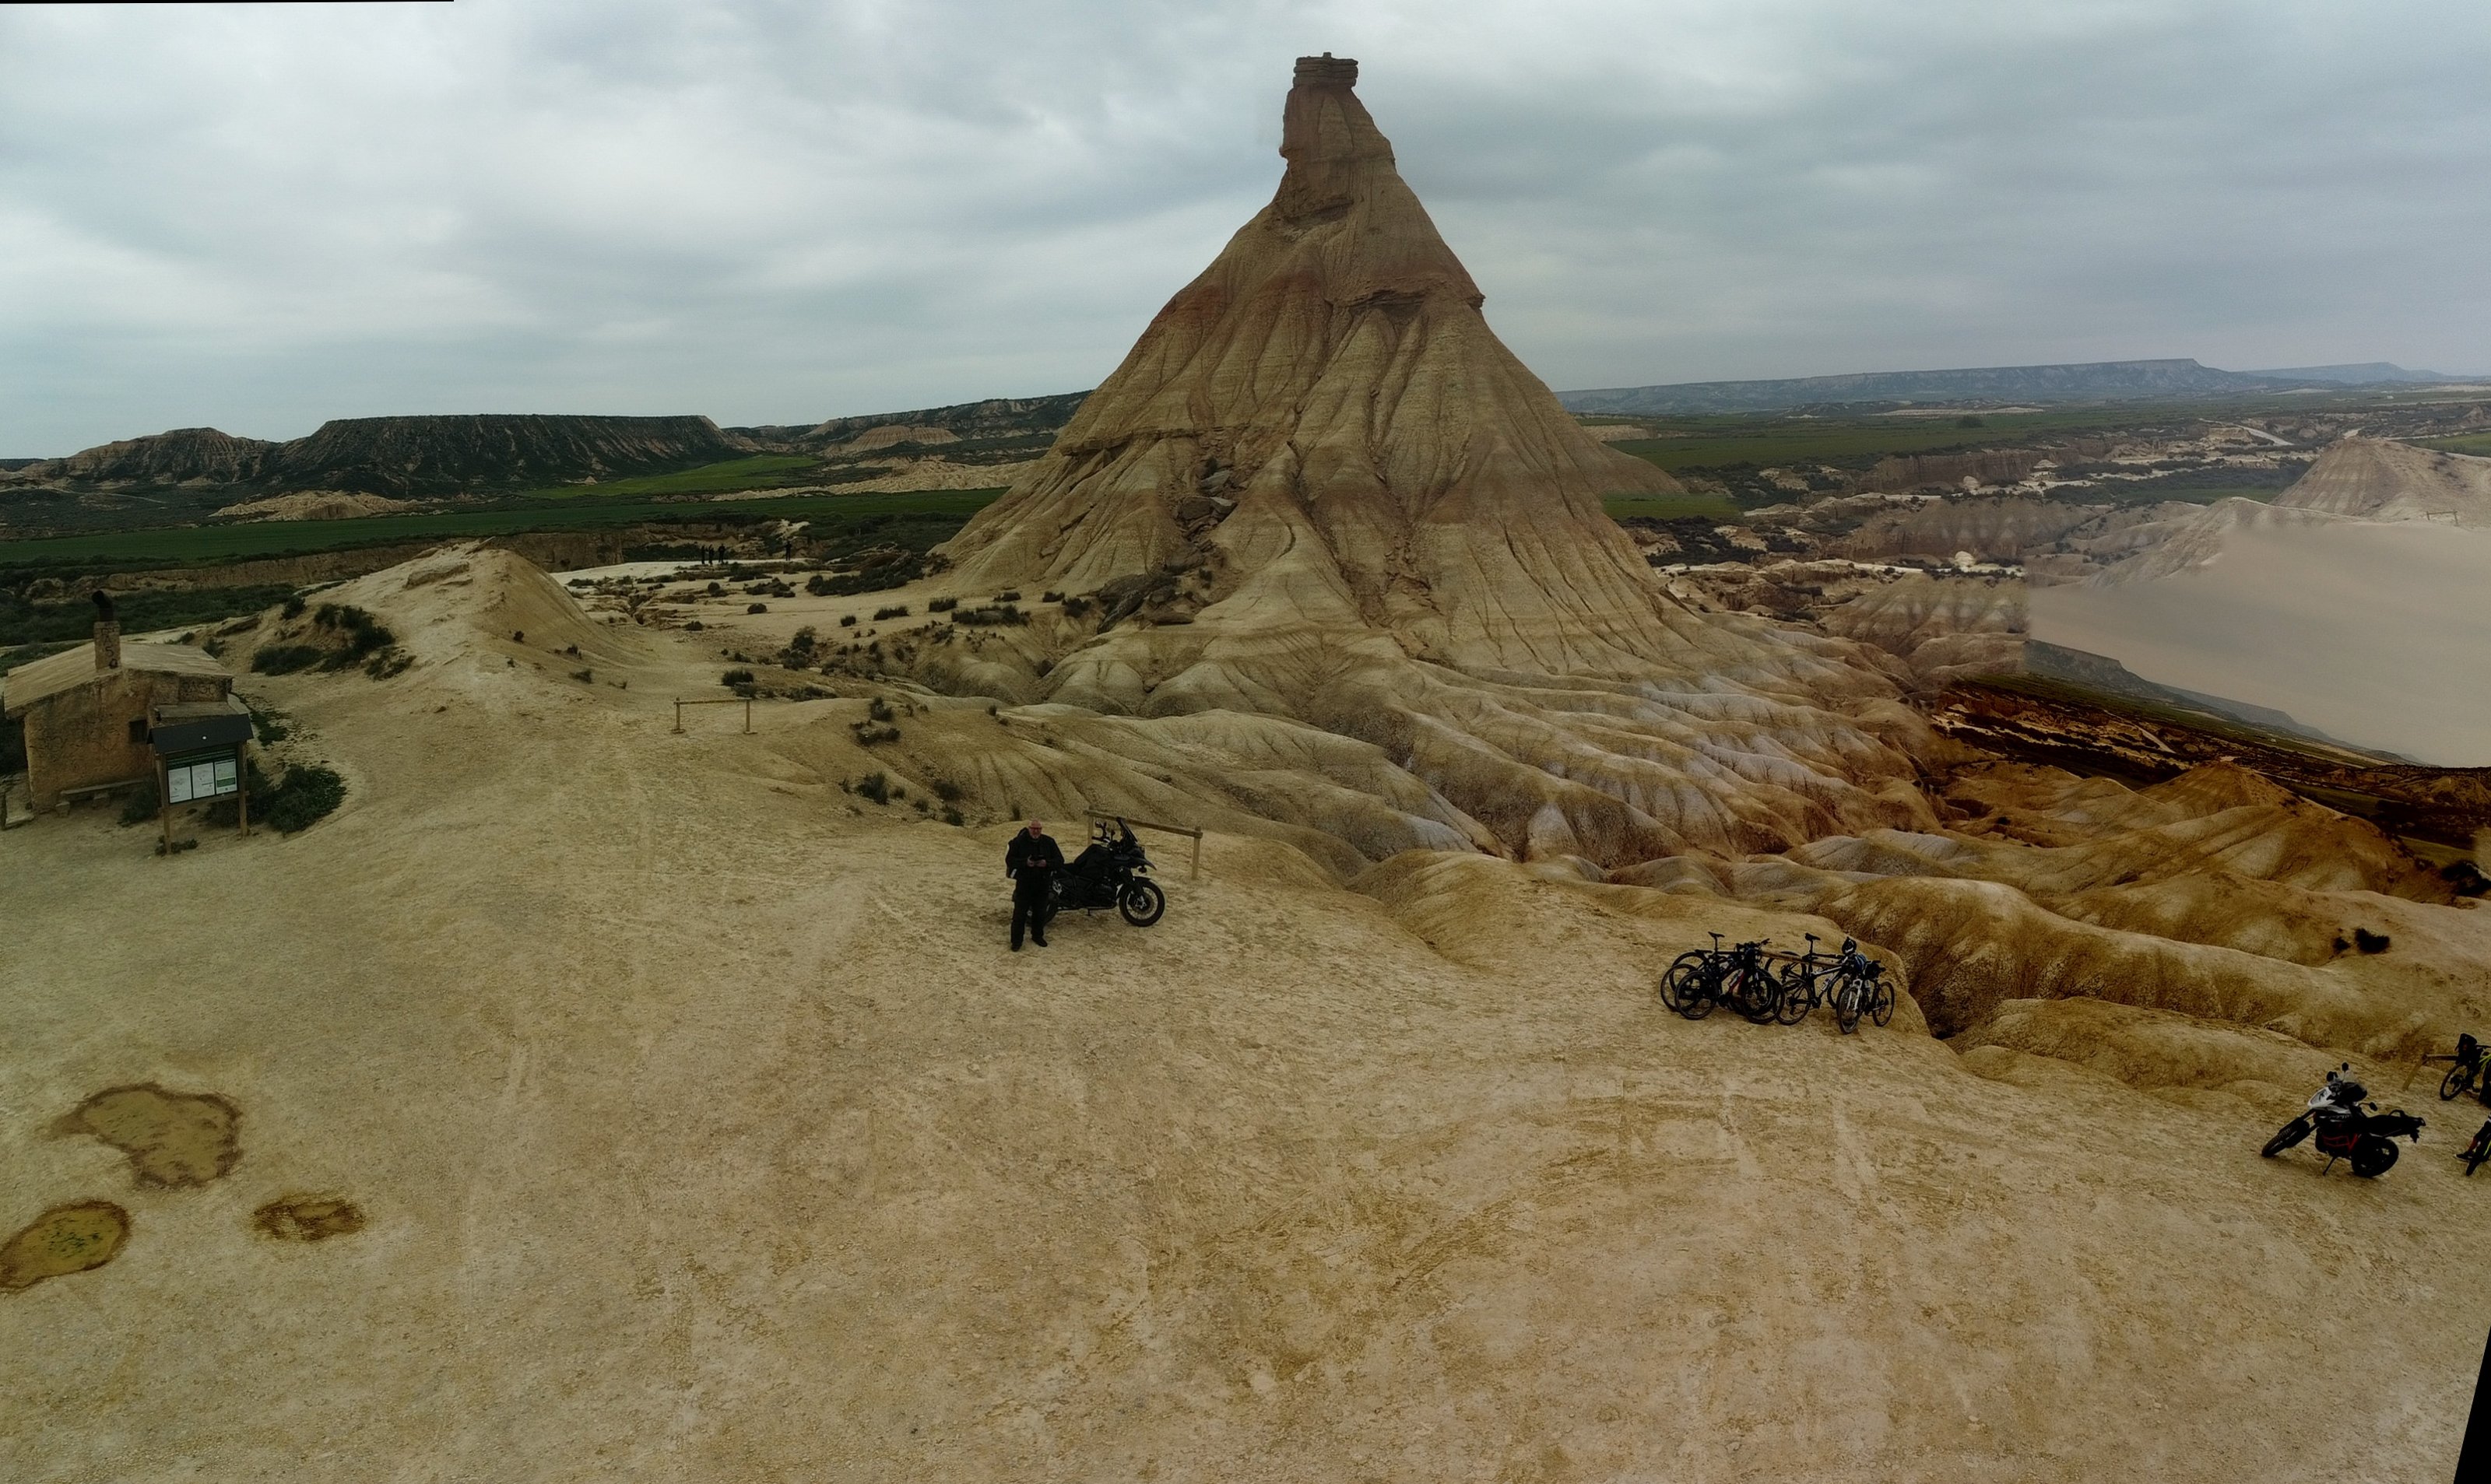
x=1031, y=860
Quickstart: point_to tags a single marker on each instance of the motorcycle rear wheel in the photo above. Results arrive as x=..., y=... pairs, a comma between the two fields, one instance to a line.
x=2286, y=1137
x=1141, y=902
x=2373, y=1156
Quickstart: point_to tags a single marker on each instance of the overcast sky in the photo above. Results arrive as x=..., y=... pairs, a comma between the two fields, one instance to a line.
x=260, y=216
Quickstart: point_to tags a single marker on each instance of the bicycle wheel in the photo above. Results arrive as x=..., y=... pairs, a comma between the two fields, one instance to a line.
x=1880, y=1003
x=1850, y=998
x=2478, y=1152
x=1678, y=979
x=2459, y=1081
x=1798, y=994
x=1703, y=992
x=1759, y=996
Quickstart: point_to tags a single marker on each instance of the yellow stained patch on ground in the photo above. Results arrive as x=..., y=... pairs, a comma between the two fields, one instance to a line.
x=173, y=1139
x=63, y=1240
x=308, y=1218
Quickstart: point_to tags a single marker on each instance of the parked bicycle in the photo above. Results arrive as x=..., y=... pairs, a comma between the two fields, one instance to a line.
x=1739, y=978
x=2468, y=1074
x=1850, y=979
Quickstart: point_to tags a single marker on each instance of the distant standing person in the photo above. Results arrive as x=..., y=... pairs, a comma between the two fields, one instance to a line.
x=1031, y=860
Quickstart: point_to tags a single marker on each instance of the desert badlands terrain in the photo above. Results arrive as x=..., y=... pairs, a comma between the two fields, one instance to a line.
x=589, y=1098
x=703, y=1127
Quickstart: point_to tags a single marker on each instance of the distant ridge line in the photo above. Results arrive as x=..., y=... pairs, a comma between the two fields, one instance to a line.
x=2071, y=382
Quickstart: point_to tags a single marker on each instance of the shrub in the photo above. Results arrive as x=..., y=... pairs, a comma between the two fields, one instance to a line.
x=871, y=734
x=848, y=620
x=293, y=608
x=307, y=795
x=394, y=661
x=954, y=817
x=286, y=658
x=941, y=604
x=270, y=726
x=900, y=612
x=878, y=709
x=717, y=590
x=362, y=633
x=2370, y=942
x=1076, y=607
x=756, y=607
x=947, y=790
x=695, y=625
x=141, y=804
x=1003, y=615
x=874, y=786
x=1009, y=596
x=818, y=585
x=736, y=677
x=587, y=676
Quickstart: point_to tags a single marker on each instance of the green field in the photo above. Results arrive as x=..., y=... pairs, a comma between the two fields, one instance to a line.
x=182, y=545
x=1671, y=506
x=761, y=470
x=1776, y=440
x=2477, y=443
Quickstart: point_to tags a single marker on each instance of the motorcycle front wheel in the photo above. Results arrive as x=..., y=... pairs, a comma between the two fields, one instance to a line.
x=1141, y=902
x=2373, y=1156
x=2286, y=1137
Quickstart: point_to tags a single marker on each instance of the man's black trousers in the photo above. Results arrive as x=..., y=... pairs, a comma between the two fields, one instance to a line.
x=1029, y=907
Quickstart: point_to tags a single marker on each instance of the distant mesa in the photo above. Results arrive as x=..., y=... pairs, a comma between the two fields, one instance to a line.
x=2081, y=382
x=401, y=456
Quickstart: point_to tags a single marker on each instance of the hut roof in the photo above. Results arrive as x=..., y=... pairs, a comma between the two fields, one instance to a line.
x=71, y=668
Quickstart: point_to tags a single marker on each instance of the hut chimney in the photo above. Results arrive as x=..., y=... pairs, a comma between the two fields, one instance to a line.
x=107, y=633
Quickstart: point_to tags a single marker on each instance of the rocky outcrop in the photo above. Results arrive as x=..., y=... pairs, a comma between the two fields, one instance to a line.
x=1320, y=490
x=2373, y=478
x=1323, y=420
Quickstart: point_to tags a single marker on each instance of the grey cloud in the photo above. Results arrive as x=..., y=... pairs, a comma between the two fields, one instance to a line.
x=263, y=217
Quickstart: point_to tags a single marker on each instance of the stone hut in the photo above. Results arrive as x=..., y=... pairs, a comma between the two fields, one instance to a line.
x=88, y=710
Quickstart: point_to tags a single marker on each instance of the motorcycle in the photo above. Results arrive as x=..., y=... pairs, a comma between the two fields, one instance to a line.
x=2348, y=1127
x=1109, y=873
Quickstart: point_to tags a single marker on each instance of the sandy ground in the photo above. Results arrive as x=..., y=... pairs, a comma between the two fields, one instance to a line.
x=2358, y=629
x=706, y=1130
